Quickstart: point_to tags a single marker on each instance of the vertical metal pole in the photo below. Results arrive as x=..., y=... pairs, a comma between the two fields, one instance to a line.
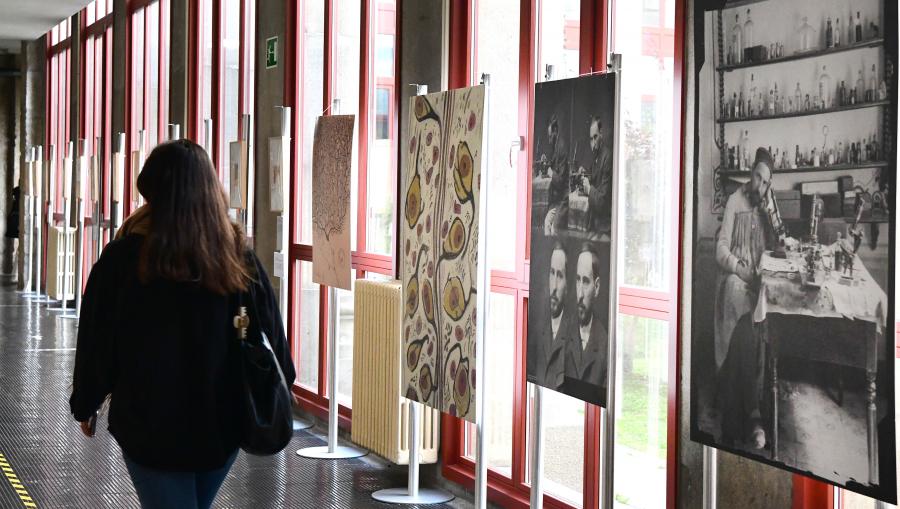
x=482, y=302
x=97, y=184
x=51, y=200
x=118, y=183
x=39, y=212
x=413, y=480
x=174, y=132
x=27, y=235
x=247, y=213
x=332, y=370
x=710, y=477
x=537, y=449
x=208, y=136
x=67, y=214
x=608, y=415
x=285, y=213
x=79, y=177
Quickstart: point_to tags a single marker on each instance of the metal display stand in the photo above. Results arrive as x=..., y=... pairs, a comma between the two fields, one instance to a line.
x=80, y=172
x=412, y=493
x=283, y=235
x=97, y=209
x=28, y=226
x=246, y=215
x=332, y=450
x=37, y=230
x=50, y=180
x=481, y=304
x=117, y=181
x=67, y=242
x=608, y=414
x=537, y=416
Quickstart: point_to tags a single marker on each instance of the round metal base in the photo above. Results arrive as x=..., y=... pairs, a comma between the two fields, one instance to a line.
x=302, y=424
x=401, y=496
x=340, y=452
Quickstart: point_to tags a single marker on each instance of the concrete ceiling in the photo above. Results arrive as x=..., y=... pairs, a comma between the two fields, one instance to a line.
x=26, y=20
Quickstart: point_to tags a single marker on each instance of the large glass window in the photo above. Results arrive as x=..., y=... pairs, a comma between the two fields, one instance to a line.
x=308, y=323
x=647, y=104
x=382, y=168
x=496, y=53
x=58, y=103
x=229, y=79
x=558, y=35
x=345, y=87
x=312, y=63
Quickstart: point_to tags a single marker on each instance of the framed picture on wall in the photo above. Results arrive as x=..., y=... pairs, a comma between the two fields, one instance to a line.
x=789, y=235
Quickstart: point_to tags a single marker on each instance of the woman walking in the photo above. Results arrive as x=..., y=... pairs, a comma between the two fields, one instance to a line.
x=157, y=333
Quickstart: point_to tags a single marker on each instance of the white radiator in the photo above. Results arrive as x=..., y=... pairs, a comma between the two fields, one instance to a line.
x=56, y=263
x=380, y=414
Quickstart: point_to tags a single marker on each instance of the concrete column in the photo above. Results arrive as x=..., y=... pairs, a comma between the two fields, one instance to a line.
x=9, y=93
x=30, y=109
x=119, y=65
x=179, y=63
x=270, y=22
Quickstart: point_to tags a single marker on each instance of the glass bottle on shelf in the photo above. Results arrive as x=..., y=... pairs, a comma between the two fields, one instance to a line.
x=839, y=158
x=753, y=97
x=882, y=90
x=825, y=89
x=842, y=94
x=797, y=97
x=796, y=157
x=806, y=34
x=857, y=28
x=860, y=86
x=744, y=147
x=737, y=40
x=872, y=90
x=806, y=104
x=771, y=106
x=837, y=32
x=748, y=32
x=829, y=34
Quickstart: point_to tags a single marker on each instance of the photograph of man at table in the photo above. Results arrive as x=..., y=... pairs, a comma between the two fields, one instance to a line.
x=791, y=271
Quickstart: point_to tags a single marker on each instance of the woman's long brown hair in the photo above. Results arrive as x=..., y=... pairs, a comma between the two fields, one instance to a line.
x=190, y=236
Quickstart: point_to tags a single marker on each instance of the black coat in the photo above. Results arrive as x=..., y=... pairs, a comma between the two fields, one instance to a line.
x=12, y=218
x=166, y=353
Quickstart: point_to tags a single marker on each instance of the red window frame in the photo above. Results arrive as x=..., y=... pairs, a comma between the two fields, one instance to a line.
x=362, y=261
x=247, y=35
x=131, y=108
x=58, y=105
x=96, y=108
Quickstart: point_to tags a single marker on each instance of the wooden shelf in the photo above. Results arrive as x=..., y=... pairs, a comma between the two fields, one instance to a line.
x=811, y=169
x=873, y=104
x=871, y=43
x=740, y=3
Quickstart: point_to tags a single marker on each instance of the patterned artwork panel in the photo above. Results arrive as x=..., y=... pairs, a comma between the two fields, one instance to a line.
x=439, y=249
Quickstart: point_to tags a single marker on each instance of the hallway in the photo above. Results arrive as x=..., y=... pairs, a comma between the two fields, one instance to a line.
x=52, y=465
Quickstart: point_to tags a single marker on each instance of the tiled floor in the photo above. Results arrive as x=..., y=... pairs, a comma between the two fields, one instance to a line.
x=54, y=465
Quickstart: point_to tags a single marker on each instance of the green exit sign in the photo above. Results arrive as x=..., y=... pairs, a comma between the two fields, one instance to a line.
x=271, y=52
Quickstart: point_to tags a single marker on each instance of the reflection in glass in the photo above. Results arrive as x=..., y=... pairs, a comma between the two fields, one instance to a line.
x=346, y=83
x=308, y=327
x=559, y=38
x=497, y=54
x=345, y=346
x=312, y=48
x=647, y=146
x=381, y=175
x=641, y=412
x=498, y=403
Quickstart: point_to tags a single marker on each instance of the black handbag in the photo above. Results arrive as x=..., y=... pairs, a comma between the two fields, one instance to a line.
x=267, y=415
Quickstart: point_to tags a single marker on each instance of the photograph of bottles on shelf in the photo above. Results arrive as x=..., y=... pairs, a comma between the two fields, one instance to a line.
x=809, y=85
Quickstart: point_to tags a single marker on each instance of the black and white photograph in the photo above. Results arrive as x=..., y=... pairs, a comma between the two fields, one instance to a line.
x=571, y=211
x=791, y=273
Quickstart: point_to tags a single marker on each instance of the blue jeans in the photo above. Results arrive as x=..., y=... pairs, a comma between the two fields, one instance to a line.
x=162, y=489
